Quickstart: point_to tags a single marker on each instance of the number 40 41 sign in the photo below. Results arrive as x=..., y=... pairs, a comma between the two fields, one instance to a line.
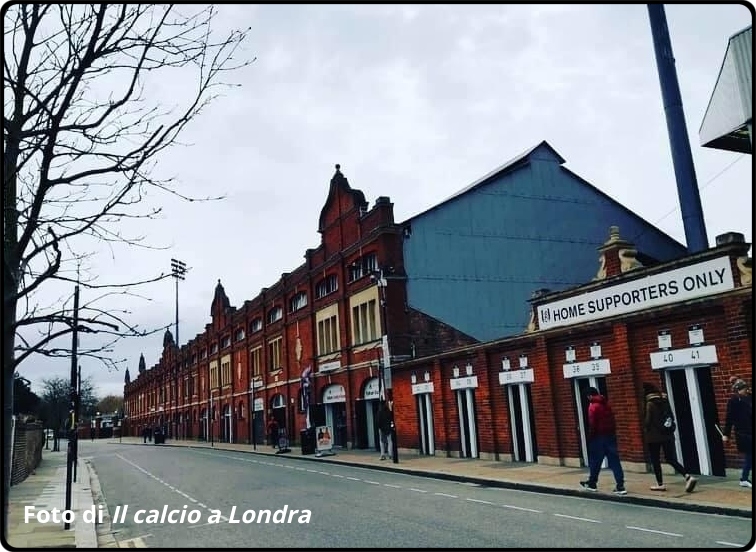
x=690, y=356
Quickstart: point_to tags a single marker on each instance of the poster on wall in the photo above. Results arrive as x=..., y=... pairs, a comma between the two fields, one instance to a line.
x=323, y=440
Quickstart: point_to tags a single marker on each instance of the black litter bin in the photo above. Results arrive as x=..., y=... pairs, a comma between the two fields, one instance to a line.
x=307, y=438
x=159, y=438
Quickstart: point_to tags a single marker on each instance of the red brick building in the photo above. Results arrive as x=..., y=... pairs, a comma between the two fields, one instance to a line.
x=685, y=325
x=327, y=315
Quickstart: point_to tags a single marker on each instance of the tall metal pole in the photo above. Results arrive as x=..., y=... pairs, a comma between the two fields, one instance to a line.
x=77, y=411
x=386, y=365
x=73, y=401
x=682, y=158
x=178, y=270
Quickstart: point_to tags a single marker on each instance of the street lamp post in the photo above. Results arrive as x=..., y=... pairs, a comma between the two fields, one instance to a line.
x=178, y=271
x=382, y=284
x=252, y=413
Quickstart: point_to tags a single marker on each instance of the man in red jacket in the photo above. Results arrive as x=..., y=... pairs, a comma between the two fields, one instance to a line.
x=602, y=442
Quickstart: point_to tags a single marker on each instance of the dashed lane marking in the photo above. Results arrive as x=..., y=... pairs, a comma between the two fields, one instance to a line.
x=446, y=495
x=653, y=531
x=578, y=518
x=174, y=489
x=479, y=501
x=521, y=508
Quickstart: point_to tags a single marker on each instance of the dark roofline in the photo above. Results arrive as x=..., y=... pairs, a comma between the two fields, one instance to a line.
x=520, y=160
x=631, y=239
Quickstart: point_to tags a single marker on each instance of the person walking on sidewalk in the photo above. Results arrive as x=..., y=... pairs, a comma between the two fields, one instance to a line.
x=740, y=416
x=273, y=432
x=602, y=443
x=659, y=436
x=385, y=425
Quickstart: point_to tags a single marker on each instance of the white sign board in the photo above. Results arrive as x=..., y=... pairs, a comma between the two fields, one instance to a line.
x=588, y=368
x=465, y=382
x=329, y=366
x=681, y=284
x=420, y=388
x=258, y=404
x=690, y=356
x=371, y=389
x=516, y=376
x=334, y=394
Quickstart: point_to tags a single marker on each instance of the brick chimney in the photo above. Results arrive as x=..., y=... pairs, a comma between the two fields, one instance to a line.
x=617, y=256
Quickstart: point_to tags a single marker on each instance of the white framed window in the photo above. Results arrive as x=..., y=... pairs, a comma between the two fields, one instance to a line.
x=214, y=374
x=226, y=372
x=213, y=348
x=327, y=328
x=328, y=335
x=363, y=266
x=239, y=334
x=327, y=285
x=365, y=322
x=255, y=325
x=275, y=314
x=226, y=342
x=298, y=301
x=274, y=354
x=256, y=360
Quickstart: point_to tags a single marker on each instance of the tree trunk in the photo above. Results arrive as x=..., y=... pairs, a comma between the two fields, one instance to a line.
x=9, y=339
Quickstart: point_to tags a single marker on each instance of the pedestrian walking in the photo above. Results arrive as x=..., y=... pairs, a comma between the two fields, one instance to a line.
x=740, y=416
x=144, y=434
x=273, y=432
x=602, y=443
x=659, y=434
x=385, y=425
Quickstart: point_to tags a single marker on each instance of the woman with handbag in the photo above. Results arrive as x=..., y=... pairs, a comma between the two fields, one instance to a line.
x=659, y=436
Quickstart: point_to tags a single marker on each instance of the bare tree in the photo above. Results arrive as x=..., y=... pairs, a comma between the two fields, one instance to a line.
x=56, y=403
x=110, y=404
x=81, y=135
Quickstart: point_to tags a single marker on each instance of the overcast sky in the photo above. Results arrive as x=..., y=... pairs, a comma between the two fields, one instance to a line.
x=416, y=102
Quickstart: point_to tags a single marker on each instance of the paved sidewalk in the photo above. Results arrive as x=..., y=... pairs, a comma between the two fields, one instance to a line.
x=717, y=495
x=45, y=489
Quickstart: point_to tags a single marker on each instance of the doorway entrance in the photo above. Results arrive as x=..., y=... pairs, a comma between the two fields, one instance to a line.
x=691, y=395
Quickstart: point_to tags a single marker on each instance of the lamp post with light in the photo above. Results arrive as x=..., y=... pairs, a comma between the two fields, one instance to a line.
x=386, y=383
x=178, y=272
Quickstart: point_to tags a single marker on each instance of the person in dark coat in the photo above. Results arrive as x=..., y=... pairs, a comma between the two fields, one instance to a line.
x=658, y=439
x=740, y=416
x=385, y=425
x=273, y=432
x=602, y=442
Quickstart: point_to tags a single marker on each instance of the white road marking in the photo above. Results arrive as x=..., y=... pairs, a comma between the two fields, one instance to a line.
x=312, y=471
x=337, y=475
x=174, y=489
x=353, y=478
x=725, y=543
x=417, y=490
x=653, y=531
x=480, y=501
x=372, y=482
x=392, y=486
x=444, y=494
x=521, y=508
x=578, y=518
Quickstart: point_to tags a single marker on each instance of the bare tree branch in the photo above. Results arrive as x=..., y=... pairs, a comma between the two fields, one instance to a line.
x=81, y=140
